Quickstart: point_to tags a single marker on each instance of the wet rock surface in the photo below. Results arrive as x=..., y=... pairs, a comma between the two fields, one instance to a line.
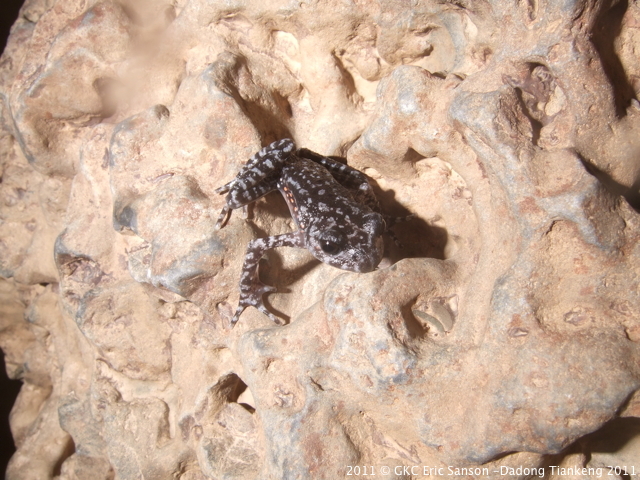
x=502, y=332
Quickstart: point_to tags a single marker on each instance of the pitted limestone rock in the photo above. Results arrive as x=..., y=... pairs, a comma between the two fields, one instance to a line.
x=500, y=330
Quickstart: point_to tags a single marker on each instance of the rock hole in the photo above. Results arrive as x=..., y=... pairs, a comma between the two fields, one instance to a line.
x=631, y=194
x=536, y=125
x=10, y=389
x=69, y=449
x=269, y=113
x=435, y=316
x=612, y=437
x=534, y=88
x=532, y=9
x=414, y=327
x=605, y=33
x=233, y=390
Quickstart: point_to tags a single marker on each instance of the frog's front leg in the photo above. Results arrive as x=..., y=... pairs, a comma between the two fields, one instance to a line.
x=251, y=288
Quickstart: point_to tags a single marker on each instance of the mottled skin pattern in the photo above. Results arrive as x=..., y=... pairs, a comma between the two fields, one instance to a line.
x=331, y=203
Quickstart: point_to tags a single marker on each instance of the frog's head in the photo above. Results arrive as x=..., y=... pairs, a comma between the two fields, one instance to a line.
x=354, y=245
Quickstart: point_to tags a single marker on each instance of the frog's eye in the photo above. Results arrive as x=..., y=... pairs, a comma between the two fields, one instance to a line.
x=332, y=242
x=329, y=247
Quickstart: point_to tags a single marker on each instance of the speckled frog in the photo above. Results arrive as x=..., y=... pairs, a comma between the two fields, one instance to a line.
x=331, y=203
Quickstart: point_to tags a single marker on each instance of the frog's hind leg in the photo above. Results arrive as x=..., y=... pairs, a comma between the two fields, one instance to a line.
x=258, y=177
x=267, y=161
x=251, y=288
x=258, y=191
x=262, y=165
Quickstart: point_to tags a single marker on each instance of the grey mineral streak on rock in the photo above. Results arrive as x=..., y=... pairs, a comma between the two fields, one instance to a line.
x=504, y=330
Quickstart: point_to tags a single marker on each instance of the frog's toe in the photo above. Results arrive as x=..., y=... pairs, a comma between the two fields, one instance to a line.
x=236, y=316
x=225, y=188
x=223, y=218
x=263, y=289
x=391, y=221
x=275, y=319
x=253, y=298
x=258, y=306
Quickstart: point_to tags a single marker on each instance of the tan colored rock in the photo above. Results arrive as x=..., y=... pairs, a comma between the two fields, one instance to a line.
x=502, y=334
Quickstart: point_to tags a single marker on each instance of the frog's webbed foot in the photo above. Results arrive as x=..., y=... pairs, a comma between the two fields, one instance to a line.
x=252, y=297
x=390, y=222
x=225, y=214
x=251, y=288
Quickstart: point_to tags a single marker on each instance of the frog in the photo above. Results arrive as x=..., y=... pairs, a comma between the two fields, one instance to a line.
x=332, y=204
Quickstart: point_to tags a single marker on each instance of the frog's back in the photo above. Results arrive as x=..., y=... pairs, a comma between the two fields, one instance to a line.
x=313, y=195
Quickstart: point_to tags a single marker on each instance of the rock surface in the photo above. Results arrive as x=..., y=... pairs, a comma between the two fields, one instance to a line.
x=502, y=334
